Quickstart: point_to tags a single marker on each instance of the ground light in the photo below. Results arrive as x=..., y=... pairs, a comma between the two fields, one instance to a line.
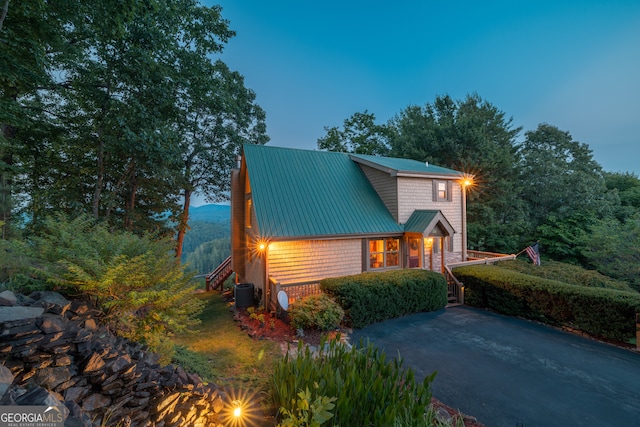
x=237, y=409
x=241, y=410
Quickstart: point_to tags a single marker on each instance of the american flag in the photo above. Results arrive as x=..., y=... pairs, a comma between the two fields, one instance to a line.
x=534, y=253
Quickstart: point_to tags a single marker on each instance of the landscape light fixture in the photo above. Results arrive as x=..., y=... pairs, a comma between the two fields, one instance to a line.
x=237, y=409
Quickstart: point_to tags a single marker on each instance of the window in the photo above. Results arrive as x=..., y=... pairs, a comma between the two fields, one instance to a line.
x=384, y=253
x=247, y=212
x=441, y=191
x=448, y=244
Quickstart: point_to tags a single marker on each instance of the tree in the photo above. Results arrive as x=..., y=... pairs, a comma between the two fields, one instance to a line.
x=613, y=248
x=564, y=189
x=360, y=134
x=627, y=187
x=218, y=115
x=130, y=111
x=471, y=136
x=29, y=37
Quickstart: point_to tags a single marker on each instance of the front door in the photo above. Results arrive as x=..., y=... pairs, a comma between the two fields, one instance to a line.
x=414, y=252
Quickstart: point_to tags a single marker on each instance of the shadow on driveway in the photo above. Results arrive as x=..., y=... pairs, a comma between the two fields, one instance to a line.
x=507, y=371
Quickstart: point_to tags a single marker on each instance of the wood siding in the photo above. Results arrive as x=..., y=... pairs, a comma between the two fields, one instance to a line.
x=311, y=260
x=386, y=186
x=237, y=223
x=417, y=193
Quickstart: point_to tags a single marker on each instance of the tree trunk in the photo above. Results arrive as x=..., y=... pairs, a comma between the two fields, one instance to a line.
x=183, y=224
x=6, y=180
x=131, y=203
x=3, y=12
x=97, y=193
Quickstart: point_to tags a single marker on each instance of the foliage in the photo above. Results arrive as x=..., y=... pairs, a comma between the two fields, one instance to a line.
x=600, y=312
x=373, y=297
x=612, y=248
x=565, y=190
x=360, y=135
x=627, y=188
x=369, y=390
x=14, y=264
x=119, y=110
x=209, y=255
x=316, y=311
x=307, y=412
x=202, y=232
x=566, y=273
x=145, y=294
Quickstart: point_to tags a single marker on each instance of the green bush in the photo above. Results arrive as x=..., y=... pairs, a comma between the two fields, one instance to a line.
x=136, y=281
x=308, y=412
x=606, y=313
x=369, y=390
x=567, y=273
x=374, y=297
x=316, y=312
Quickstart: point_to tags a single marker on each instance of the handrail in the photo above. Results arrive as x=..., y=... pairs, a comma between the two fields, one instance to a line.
x=456, y=287
x=216, y=276
x=483, y=255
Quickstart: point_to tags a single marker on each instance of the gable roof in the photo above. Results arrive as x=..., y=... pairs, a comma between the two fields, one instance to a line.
x=305, y=194
x=423, y=221
x=404, y=167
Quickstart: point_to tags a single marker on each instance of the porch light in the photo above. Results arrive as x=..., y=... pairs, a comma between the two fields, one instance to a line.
x=467, y=181
x=262, y=245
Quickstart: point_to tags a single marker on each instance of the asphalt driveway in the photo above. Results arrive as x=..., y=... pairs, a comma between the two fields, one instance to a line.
x=511, y=372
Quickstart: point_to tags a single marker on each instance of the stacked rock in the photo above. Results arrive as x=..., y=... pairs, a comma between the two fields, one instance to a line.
x=54, y=352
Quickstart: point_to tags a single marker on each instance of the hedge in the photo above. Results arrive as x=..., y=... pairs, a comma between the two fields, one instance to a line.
x=374, y=297
x=605, y=313
x=567, y=273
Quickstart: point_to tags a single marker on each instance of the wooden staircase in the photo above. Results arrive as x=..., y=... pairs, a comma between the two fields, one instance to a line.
x=216, y=278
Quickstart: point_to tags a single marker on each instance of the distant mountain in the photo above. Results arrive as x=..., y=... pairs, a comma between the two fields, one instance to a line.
x=210, y=213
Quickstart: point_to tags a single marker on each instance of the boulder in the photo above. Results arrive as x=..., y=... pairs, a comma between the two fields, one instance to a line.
x=8, y=298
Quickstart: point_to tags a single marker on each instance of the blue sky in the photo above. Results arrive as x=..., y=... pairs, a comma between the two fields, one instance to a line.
x=573, y=64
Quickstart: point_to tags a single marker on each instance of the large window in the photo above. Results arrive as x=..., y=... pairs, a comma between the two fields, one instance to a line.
x=384, y=253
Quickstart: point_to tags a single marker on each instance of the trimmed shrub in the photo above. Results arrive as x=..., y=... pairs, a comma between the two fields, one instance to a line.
x=568, y=274
x=374, y=297
x=606, y=313
x=368, y=389
x=316, y=312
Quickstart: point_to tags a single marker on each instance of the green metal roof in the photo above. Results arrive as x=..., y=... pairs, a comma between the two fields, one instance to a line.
x=423, y=221
x=302, y=193
x=405, y=165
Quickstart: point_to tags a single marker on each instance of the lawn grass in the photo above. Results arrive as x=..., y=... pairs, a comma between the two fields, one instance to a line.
x=234, y=360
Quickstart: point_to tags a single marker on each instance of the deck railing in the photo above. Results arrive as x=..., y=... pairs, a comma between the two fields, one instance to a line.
x=294, y=291
x=456, y=288
x=477, y=255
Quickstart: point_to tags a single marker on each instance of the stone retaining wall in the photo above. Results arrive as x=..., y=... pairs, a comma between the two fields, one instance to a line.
x=54, y=352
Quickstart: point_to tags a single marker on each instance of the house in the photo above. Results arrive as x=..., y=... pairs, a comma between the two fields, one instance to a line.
x=299, y=216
